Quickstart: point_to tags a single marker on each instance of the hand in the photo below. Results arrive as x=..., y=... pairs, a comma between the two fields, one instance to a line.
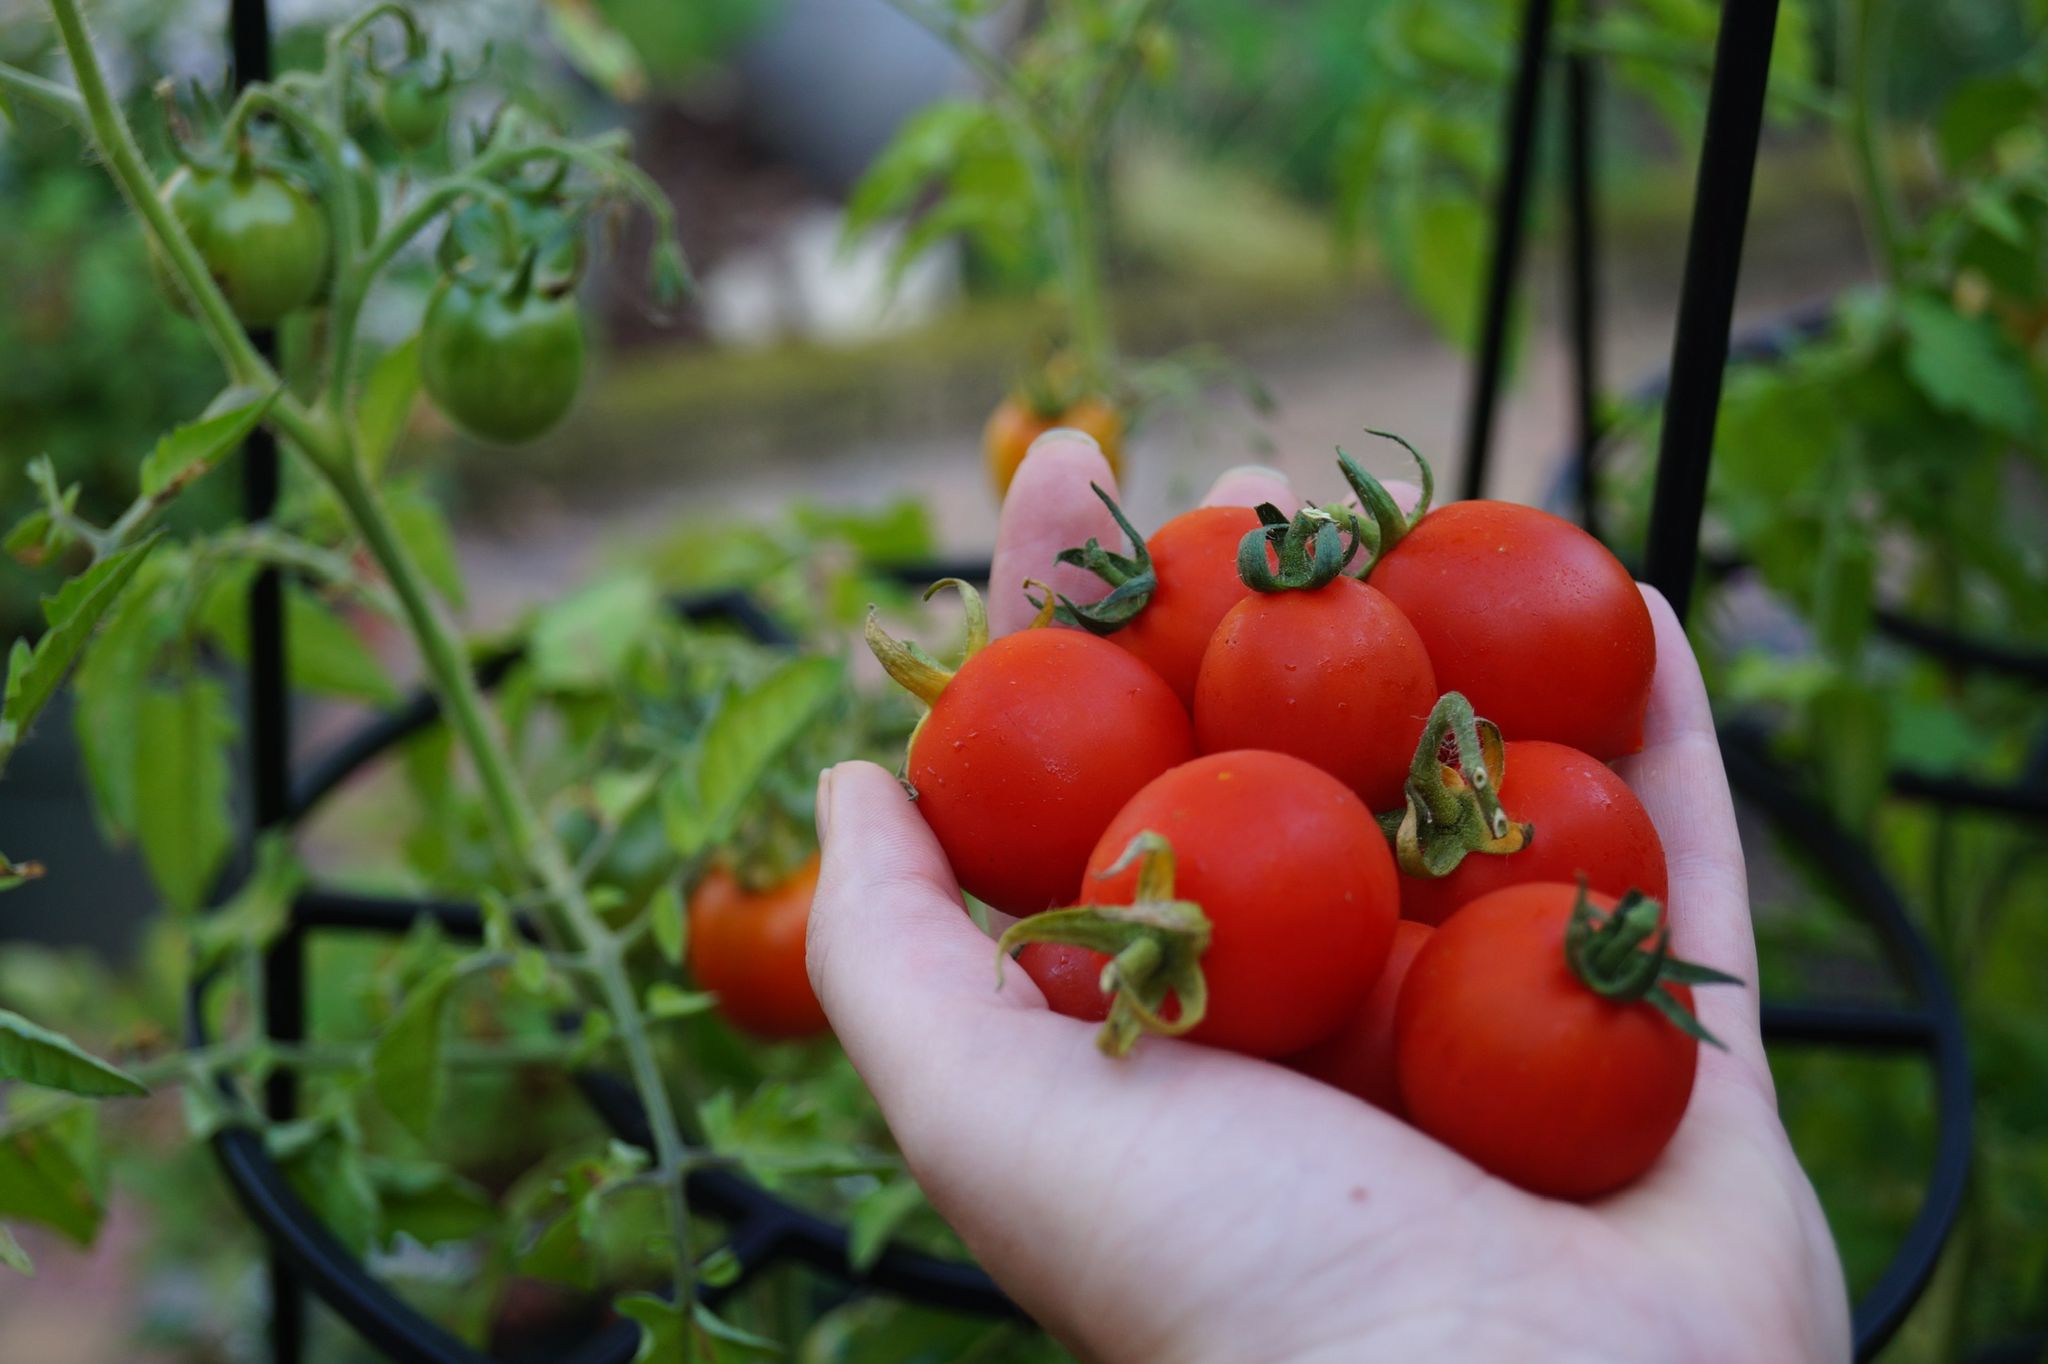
x=1187, y=1204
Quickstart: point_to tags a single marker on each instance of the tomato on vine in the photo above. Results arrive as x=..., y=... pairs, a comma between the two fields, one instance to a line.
x=1546, y=1034
x=502, y=361
x=262, y=236
x=413, y=100
x=1245, y=900
x=1028, y=749
x=747, y=947
x=1022, y=418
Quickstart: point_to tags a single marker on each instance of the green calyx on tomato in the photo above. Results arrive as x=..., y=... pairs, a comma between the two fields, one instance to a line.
x=914, y=670
x=1154, y=944
x=1314, y=549
x=412, y=99
x=1624, y=955
x=503, y=363
x=1130, y=578
x=1383, y=523
x=263, y=238
x=1453, y=802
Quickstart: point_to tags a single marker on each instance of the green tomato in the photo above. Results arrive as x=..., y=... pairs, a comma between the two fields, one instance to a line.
x=413, y=104
x=503, y=363
x=263, y=238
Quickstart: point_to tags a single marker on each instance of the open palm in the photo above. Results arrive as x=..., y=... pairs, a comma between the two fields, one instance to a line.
x=1187, y=1204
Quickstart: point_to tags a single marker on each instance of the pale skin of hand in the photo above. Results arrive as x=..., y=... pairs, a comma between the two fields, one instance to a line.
x=1186, y=1204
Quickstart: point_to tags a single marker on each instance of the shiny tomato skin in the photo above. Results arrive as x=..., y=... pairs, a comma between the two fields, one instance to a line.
x=1337, y=676
x=1532, y=619
x=1295, y=878
x=747, y=947
x=1069, y=977
x=1015, y=423
x=1194, y=559
x=1586, y=821
x=1359, y=1057
x=1502, y=1054
x=1035, y=743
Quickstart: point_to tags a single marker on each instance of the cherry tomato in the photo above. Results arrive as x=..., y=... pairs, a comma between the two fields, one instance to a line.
x=502, y=362
x=1295, y=879
x=1505, y=1055
x=1029, y=748
x=1017, y=422
x=412, y=103
x=1336, y=675
x=747, y=947
x=1194, y=562
x=1359, y=1057
x=1069, y=977
x=1587, y=823
x=1532, y=619
x=263, y=238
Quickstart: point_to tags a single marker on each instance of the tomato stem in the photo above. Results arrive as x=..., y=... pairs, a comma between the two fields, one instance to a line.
x=1130, y=578
x=1624, y=955
x=1314, y=549
x=1384, y=524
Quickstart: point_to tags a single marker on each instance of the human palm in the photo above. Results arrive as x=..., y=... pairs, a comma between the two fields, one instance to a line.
x=1188, y=1204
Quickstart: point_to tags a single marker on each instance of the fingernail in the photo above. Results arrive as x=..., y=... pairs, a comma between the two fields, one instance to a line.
x=1252, y=471
x=824, y=802
x=1059, y=433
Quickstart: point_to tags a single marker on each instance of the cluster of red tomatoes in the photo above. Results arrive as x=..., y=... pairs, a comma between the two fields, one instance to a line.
x=1251, y=801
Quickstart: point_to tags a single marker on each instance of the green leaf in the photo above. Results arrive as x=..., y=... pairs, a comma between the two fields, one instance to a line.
x=258, y=912
x=1968, y=366
x=424, y=529
x=326, y=656
x=182, y=819
x=107, y=692
x=1439, y=243
x=661, y=1327
x=13, y=1256
x=1849, y=724
x=751, y=730
x=322, y=1163
x=1980, y=113
x=929, y=144
x=389, y=391
x=406, y=1067
x=670, y=926
x=669, y=1001
x=193, y=449
x=723, y=1333
x=583, y=642
x=37, y=1056
x=46, y=1177
x=779, y=1133
x=429, y=1202
x=875, y=1217
x=33, y=673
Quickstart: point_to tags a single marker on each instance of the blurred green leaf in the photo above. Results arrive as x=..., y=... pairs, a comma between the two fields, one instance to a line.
x=389, y=391
x=429, y=1202
x=668, y=923
x=323, y=1163
x=46, y=1178
x=182, y=820
x=406, y=1064
x=1980, y=112
x=875, y=1217
x=665, y=1001
x=1967, y=366
x=191, y=450
x=582, y=642
x=37, y=1056
x=257, y=913
x=424, y=528
x=12, y=1255
x=752, y=728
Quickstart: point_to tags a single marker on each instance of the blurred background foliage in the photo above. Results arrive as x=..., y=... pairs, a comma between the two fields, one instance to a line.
x=1888, y=461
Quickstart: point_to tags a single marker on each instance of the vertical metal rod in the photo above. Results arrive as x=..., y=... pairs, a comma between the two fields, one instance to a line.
x=1510, y=223
x=1706, y=304
x=270, y=738
x=1582, y=294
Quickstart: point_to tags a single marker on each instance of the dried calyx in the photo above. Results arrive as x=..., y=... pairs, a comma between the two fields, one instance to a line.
x=1453, y=794
x=1154, y=944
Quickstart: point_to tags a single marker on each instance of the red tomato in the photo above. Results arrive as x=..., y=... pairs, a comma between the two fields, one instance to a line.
x=1506, y=1056
x=1337, y=676
x=1359, y=1057
x=1587, y=823
x=1069, y=977
x=747, y=947
x=1532, y=619
x=1032, y=746
x=1194, y=560
x=1295, y=878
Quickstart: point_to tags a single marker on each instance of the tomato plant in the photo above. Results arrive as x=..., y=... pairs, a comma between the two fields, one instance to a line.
x=747, y=947
x=1028, y=749
x=1278, y=889
x=413, y=98
x=263, y=238
x=503, y=360
x=1545, y=1033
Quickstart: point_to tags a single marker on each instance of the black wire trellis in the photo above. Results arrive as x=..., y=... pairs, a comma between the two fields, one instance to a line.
x=766, y=1229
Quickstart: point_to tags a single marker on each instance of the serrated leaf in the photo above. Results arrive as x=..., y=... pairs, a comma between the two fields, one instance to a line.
x=35, y=1055
x=582, y=643
x=326, y=656
x=666, y=920
x=389, y=391
x=44, y=1180
x=406, y=1064
x=875, y=1217
x=33, y=673
x=1968, y=366
x=13, y=1256
x=699, y=806
x=191, y=450
x=672, y=1001
x=107, y=692
x=182, y=819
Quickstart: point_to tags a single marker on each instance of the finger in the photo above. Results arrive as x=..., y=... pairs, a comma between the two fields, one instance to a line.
x=1248, y=485
x=1050, y=507
x=1683, y=784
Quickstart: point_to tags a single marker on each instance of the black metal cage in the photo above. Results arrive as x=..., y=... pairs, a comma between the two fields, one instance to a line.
x=766, y=1229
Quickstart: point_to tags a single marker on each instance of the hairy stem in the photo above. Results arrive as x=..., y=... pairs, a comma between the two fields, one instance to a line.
x=45, y=93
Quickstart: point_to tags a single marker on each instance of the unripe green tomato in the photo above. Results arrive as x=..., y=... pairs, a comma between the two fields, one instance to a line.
x=413, y=106
x=502, y=363
x=262, y=237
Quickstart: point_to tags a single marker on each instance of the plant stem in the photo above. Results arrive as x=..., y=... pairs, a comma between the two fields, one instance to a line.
x=1080, y=251
x=45, y=93
x=1863, y=49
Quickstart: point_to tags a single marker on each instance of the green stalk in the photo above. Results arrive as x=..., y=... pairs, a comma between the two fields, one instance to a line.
x=45, y=93
x=1080, y=252
x=1863, y=50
